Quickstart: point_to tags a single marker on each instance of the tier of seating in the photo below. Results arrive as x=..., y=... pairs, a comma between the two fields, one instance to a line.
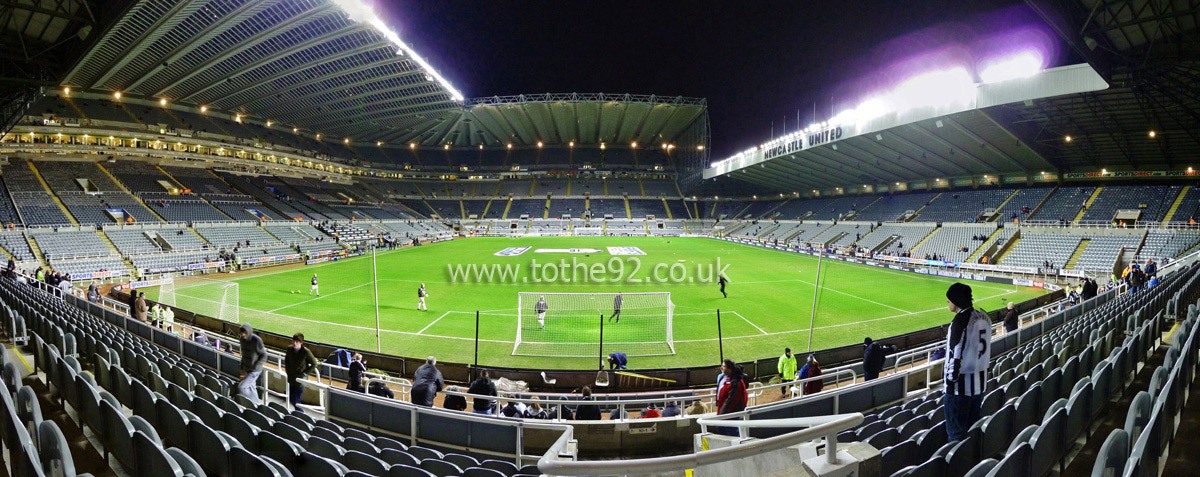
x=1022, y=204
x=948, y=242
x=1152, y=200
x=1162, y=244
x=186, y=208
x=907, y=236
x=1034, y=249
x=1102, y=251
x=71, y=244
x=249, y=238
x=1064, y=204
x=893, y=207
x=963, y=206
x=140, y=177
x=16, y=245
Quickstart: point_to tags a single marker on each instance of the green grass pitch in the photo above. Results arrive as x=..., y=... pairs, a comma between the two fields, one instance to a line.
x=768, y=308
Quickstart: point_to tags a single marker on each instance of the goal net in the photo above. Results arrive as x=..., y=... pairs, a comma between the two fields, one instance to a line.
x=203, y=296
x=571, y=324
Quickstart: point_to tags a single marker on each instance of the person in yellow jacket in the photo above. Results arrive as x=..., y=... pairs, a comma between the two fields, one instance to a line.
x=787, y=369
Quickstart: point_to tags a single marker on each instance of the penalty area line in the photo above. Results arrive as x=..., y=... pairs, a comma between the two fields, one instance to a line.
x=434, y=322
x=760, y=330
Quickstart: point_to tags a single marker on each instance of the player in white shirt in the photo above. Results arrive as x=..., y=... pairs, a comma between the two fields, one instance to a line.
x=314, y=288
x=541, y=308
x=421, y=294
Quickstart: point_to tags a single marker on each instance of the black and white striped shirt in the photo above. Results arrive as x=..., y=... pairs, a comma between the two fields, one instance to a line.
x=968, y=352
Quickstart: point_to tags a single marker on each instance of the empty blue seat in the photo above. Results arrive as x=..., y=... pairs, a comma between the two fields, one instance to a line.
x=1113, y=454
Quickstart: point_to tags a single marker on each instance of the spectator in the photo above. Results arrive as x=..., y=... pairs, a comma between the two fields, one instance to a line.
x=454, y=402
x=967, y=360
x=873, y=358
x=696, y=409
x=617, y=414
x=650, y=412
x=812, y=369
x=93, y=294
x=168, y=319
x=427, y=381
x=535, y=411
x=617, y=361
x=298, y=362
x=1011, y=322
x=357, y=368
x=587, y=412
x=787, y=369
x=483, y=386
x=254, y=354
x=732, y=395
x=671, y=410
x=1151, y=269
x=511, y=409
x=139, y=307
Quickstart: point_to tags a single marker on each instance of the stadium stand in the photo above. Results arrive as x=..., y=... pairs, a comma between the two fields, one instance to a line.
x=891, y=208
x=1063, y=204
x=1036, y=248
x=17, y=246
x=1103, y=251
x=1152, y=200
x=1161, y=244
x=903, y=237
x=963, y=206
x=1023, y=203
x=949, y=240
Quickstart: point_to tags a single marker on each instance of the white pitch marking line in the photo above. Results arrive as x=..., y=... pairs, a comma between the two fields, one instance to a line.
x=855, y=296
x=760, y=330
x=318, y=297
x=434, y=321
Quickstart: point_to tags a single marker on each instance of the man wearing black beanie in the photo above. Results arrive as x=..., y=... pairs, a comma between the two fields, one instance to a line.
x=968, y=352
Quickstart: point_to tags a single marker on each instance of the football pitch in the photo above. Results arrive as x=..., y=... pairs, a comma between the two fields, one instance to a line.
x=769, y=306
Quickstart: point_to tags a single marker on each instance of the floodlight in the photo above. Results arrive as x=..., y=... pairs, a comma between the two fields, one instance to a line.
x=1020, y=65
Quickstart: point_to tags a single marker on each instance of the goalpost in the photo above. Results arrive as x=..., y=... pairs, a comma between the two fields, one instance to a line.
x=204, y=296
x=573, y=324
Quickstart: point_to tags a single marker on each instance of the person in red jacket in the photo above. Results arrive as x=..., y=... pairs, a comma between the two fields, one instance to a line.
x=731, y=396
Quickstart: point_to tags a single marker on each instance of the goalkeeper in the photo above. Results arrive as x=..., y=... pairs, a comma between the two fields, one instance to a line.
x=616, y=309
x=540, y=307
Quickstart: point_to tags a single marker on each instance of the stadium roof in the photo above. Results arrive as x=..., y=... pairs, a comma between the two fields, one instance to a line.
x=332, y=67
x=38, y=33
x=1140, y=111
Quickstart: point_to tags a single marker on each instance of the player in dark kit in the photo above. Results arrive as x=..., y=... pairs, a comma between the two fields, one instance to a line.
x=722, y=281
x=616, y=309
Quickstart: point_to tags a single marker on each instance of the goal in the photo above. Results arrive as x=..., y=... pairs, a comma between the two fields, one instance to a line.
x=573, y=325
x=203, y=296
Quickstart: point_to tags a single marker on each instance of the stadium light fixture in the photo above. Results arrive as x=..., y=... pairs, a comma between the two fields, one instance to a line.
x=295, y=130
x=571, y=144
x=203, y=109
x=938, y=88
x=1067, y=139
x=1020, y=65
x=162, y=102
x=664, y=145
x=269, y=123
x=633, y=144
x=318, y=136
x=481, y=147
x=117, y=94
x=700, y=147
x=238, y=118
x=509, y=146
x=358, y=11
x=1153, y=134
x=539, y=144
x=1189, y=169
x=446, y=147
x=67, y=91
x=346, y=141
x=602, y=146
x=412, y=145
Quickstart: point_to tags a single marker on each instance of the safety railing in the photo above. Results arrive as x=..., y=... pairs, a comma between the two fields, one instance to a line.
x=824, y=427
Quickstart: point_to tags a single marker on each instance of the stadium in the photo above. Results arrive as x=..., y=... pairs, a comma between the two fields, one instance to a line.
x=274, y=237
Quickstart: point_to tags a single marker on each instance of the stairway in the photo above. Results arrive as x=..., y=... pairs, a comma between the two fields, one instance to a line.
x=917, y=213
x=506, y=207
x=46, y=186
x=462, y=209
x=667, y=207
x=1008, y=247
x=33, y=246
x=1002, y=204
x=126, y=189
x=113, y=247
x=918, y=245
x=1076, y=254
x=1087, y=205
x=486, y=207
x=1039, y=205
x=1175, y=205
x=987, y=243
x=641, y=188
x=628, y=212
x=546, y=211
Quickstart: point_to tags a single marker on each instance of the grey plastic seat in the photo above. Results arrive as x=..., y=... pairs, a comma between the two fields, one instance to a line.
x=28, y=410
x=244, y=462
x=964, y=454
x=290, y=433
x=326, y=449
x=174, y=424
x=279, y=449
x=934, y=439
x=482, y=472
x=1139, y=415
x=245, y=433
x=913, y=426
x=356, y=444
x=884, y=438
x=152, y=459
x=54, y=454
x=185, y=462
x=365, y=463
x=1046, y=443
x=408, y=471
x=983, y=468
x=208, y=443
x=1113, y=455
x=440, y=467
x=118, y=434
x=934, y=467
x=998, y=432
x=12, y=378
x=423, y=453
x=327, y=434
x=900, y=456
x=507, y=468
x=462, y=461
x=1028, y=407
x=312, y=465
x=399, y=457
x=1015, y=464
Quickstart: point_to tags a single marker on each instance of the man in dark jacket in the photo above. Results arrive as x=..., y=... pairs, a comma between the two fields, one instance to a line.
x=1011, y=322
x=139, y=307
x=357, y=368
x=587, y=412
x=873, y=358
x=254, y=354
x=298, y=362
x=427, y=381
x=483, y=386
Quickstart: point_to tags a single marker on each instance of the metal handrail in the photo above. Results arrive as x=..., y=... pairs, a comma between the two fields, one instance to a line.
x=826, y=427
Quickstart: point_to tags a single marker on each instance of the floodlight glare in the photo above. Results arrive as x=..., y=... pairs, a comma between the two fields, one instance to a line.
x=1020, y=65
x=939, y=88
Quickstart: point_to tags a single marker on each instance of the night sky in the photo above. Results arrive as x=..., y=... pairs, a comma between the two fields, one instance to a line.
x=755, y=62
